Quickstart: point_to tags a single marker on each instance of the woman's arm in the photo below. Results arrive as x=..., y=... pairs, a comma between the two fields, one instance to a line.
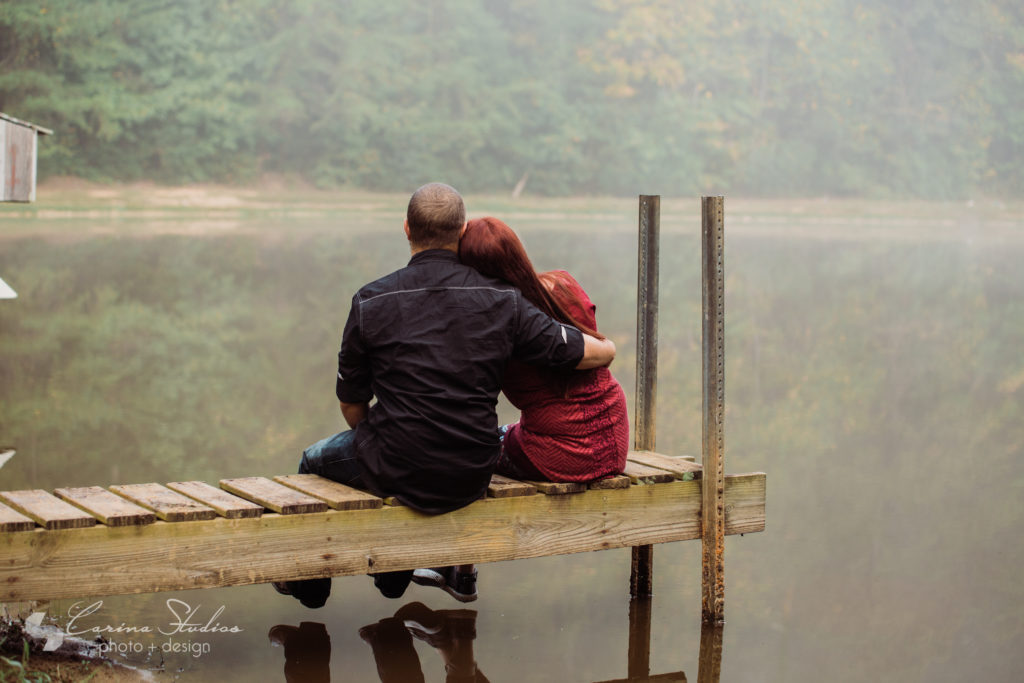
x=597, y=353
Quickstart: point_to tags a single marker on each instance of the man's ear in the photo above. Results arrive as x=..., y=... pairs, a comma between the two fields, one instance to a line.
x=405, y=226
x=463, y=231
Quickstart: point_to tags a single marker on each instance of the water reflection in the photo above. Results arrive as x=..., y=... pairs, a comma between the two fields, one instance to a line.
x=307, y=651
x=639, y=653
x=307, y=647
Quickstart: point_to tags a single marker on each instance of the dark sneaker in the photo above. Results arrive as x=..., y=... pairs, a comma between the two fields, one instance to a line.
x=312, y=593
x=418, y=617
x=459, y=585
x=392, y=584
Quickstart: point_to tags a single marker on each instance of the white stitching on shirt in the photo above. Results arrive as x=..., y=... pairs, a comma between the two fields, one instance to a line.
x=428, y=289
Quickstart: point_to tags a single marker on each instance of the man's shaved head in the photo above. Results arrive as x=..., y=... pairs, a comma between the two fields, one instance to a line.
x=436, y=215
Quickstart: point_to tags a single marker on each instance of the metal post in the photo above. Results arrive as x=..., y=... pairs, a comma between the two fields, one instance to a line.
x=709, y=663
x=713, y=425
x=641, y=576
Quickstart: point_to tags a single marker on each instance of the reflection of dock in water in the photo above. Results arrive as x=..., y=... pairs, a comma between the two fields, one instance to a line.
x=307, y=647
x=639, y=657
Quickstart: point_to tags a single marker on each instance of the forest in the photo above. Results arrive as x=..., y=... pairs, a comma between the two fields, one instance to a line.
x=865, y=98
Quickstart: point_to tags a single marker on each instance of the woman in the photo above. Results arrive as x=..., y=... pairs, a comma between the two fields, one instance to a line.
x=573, y=426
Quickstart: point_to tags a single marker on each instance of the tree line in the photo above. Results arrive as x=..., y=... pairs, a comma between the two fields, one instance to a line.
x=889, y=98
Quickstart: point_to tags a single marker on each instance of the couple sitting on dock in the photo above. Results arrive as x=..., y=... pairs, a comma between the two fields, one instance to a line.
x=435, y=342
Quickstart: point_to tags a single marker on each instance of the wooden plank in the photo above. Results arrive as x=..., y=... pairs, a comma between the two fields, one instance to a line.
x=674, y=677
x=273, y=496
x=618, y=481
x=18, y=180
x=48, y=511
x=681, y=469
x=642, y=474
x=558, y=488
x=337, y=496
x=222, y=502
x=503, y=487
x=11, y=520
x=168, y=505
x=232, y=552
x=105, y=506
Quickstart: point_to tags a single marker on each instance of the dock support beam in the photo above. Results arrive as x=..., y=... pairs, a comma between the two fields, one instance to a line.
x=713, y=423
x=641, y=575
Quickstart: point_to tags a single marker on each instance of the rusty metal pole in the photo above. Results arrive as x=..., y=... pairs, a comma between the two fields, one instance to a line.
x=641, y=576
x=713, y=424
x=709, y=662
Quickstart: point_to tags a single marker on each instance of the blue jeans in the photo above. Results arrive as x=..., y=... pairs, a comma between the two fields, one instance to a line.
x=335, y=458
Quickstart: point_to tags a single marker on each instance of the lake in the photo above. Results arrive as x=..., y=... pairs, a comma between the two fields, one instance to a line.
x=874, y=372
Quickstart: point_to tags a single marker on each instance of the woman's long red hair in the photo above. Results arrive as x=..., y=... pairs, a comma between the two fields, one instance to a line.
x=494, y=249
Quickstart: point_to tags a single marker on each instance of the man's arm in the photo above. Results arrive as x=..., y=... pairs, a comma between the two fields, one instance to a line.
x=354, y=376
x=597, y=353
x=354, y=413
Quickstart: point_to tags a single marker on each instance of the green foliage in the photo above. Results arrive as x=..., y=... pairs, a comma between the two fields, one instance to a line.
x=920, y=98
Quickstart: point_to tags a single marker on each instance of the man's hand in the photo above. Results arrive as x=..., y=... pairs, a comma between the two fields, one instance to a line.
x=597, y=353
x=354, y=413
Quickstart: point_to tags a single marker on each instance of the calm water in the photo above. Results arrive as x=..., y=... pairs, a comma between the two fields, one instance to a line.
x=874, y=372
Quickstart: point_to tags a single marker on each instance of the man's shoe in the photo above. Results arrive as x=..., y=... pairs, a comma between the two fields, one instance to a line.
x=312, y=593
x=459, y=585
x=392, y=584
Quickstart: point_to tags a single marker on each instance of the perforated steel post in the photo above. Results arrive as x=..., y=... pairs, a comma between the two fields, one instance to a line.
x=713, y=423
x=641, y=576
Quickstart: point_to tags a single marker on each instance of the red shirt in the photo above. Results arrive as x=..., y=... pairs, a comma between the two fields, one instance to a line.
x=574, y=426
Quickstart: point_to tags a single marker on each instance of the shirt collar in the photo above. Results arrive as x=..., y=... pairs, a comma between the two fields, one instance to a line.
x=434, y=255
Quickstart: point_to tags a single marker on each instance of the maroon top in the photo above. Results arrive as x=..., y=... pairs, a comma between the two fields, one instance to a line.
x=573, y=426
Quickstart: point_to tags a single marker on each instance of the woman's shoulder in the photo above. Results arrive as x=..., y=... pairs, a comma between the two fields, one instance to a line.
x=558, y=279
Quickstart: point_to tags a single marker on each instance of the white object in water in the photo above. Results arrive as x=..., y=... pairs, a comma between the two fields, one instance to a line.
x=5, y=455
x=6, y=292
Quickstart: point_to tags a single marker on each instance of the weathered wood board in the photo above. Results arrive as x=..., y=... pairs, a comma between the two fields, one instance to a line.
x=225, y=504
x=503, y=487
x=17, y=162
x=229, y=552
x=642, y=474
x=337, y=496
x=48, y=511
x=674, y=677
x=682, y=469
x=273, y=496
x=619, y=481
x=166, y=504
x=558, y=488
x=10, y=520
x=105, y=506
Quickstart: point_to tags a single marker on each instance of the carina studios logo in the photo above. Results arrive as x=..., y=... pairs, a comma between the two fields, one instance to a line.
x=183, y=630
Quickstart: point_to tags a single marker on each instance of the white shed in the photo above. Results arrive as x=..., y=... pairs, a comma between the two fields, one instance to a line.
x=18, y=158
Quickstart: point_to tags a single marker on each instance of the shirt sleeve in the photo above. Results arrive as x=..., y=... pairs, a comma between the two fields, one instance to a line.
x=542, y=340
x=354, y=373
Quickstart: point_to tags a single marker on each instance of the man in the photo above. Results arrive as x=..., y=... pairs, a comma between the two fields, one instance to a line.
x=431, y=342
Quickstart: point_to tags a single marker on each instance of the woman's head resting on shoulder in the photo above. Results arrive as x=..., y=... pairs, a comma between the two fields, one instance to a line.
x=494, y=249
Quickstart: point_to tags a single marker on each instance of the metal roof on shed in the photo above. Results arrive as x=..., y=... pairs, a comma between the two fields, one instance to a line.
x=38, y=129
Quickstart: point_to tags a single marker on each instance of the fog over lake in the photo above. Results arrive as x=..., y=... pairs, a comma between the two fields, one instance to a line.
x=873, y=371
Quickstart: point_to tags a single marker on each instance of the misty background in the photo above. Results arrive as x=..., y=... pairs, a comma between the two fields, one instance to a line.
x=872, y=158
x=881, y=98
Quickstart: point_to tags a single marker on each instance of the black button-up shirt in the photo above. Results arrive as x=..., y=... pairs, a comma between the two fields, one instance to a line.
x=431, y=342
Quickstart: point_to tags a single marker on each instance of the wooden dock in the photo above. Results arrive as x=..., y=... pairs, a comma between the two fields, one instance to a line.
x=140, y=538
x=82, y=542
